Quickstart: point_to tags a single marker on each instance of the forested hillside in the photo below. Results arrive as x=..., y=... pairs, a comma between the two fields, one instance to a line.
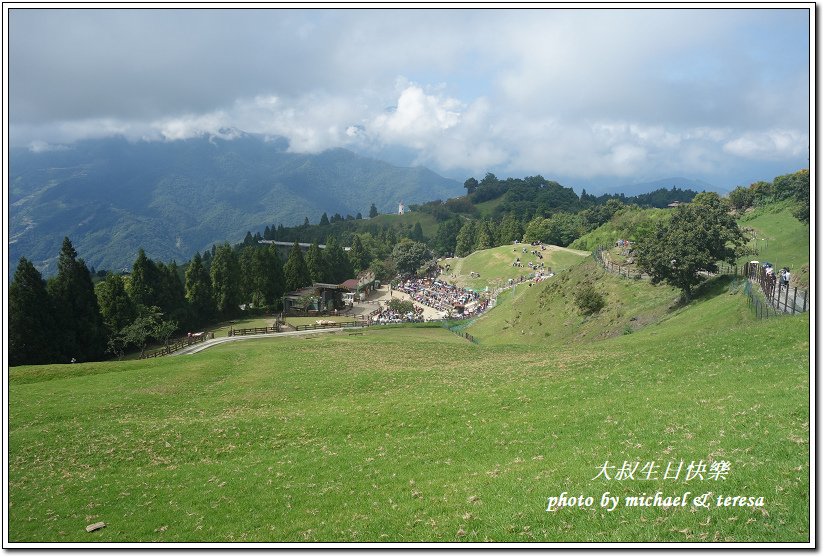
x=172, y=199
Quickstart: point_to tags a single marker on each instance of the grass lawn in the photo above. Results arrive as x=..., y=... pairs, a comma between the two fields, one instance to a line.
x=495, y=265
x=415, y=434
x=780, y=239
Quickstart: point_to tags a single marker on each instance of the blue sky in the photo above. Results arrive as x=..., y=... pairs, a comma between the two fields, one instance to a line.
x=587, y=97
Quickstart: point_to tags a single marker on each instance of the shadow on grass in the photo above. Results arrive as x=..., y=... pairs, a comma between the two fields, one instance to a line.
x=710, y=288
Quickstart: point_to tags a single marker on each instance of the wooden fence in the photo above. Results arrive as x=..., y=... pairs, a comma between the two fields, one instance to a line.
x=341, y=325
x=780, y=297
x=177, y=345
x=254, y=331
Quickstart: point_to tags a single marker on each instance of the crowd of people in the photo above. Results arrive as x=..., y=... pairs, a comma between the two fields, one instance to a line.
x=443, y=296
x=387, y=315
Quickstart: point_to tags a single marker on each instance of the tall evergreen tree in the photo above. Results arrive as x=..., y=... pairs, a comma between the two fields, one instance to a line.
x=30, y=317
x=465, y=241
x=225, y=274
x=340, y=268
x=324, y=220
x=80, y=333
x=509, y=230
x=274, y=286
x=173, y=294
x=417, y=233
x=295, y=272
x=373, y=211
x=199, y=291
x=447, y=235
x=358, y=255
x=145, y=286
x=316, y=263
x=116, y=307
x=483, y=236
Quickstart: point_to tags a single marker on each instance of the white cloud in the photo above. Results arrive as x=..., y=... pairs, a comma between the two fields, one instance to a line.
x=582, y=93
x=771, y=144
x=418, y=120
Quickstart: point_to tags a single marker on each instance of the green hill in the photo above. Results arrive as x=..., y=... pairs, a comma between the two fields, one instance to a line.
x=546, y=313
x=495, y=268
x=779, y=238
x=626, y=225
x=401, y=435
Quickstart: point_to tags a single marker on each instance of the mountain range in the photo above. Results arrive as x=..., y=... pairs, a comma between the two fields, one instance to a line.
x=114, y=196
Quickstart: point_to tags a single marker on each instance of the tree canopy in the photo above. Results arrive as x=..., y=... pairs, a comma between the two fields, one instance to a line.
x=696, y=238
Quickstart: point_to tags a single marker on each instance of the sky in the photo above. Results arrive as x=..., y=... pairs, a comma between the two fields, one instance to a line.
x=583, y=96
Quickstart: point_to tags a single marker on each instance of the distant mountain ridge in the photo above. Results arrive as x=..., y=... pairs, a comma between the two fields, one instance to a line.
x=112, y=196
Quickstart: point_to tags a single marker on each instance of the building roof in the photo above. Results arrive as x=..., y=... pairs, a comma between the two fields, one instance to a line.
x=351, y=284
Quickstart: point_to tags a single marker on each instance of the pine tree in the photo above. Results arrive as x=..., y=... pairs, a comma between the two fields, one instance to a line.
x=225, y=275
x=465, y=241
x=173, y=299
x=199, y=291
x=483, y=236
x=316, y=262
x=373, y=211
x=340, y=268
x=509, y=230
x=145, y=285
x=295, y=272
x=274, y=286
x=446, y=235
x=324, y=220
x=79, y=329
x=358, y=255
x=417, y=233
x=116, y=308
x=30, y=317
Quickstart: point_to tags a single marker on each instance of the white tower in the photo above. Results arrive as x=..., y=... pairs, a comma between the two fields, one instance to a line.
x=400, y=208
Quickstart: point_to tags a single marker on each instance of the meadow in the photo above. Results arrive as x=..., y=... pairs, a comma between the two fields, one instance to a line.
x=495, y=265
x=415, y=434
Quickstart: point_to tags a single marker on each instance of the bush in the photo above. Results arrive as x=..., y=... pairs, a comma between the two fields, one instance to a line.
x=401, y=306
x=589, y=300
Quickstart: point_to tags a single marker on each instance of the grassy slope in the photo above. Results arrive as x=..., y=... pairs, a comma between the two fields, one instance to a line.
x=780, y=238
x=624, y=225
x=546, y=313
x=495, y=264
x=487, y=208
x=416, y=434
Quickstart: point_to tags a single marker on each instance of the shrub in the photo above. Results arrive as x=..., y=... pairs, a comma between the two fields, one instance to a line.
x=589, y=300
x=401, y=306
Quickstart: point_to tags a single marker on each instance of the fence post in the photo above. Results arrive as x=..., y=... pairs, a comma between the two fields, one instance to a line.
x=805, y=301
x=795, y=293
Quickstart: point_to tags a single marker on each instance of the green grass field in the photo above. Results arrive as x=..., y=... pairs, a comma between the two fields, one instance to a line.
x=780, y=239
x=495, y=265
x=405, y=434
x=415, y=434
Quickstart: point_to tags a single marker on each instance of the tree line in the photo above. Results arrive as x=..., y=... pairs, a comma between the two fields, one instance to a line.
x=70, y=318
x=75, y=315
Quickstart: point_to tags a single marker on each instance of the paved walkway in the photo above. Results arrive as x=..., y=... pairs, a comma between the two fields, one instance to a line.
x=383, y=296
x=195, y=348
